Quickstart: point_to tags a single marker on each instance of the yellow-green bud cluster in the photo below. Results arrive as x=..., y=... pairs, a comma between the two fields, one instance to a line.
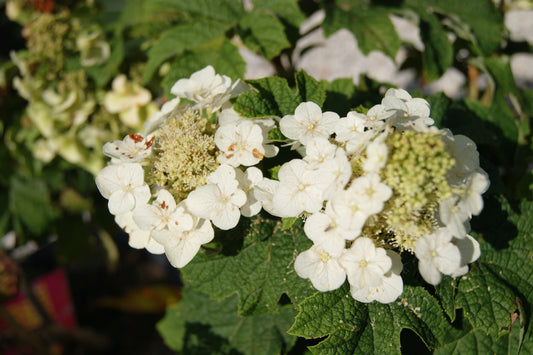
x=416, y=170
x=184, y=153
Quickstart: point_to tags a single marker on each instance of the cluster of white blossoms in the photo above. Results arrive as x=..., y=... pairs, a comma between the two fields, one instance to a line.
x=369, y=185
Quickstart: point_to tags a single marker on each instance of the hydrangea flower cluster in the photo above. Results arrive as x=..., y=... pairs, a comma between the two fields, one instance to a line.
x=369, y=185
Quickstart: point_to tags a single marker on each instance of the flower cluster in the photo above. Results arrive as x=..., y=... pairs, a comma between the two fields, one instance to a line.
x=369, y=185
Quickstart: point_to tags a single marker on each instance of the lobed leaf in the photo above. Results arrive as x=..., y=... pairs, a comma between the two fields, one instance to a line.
x=371, y=26
x=272, y=98
x=180, y=38
x=260, y=273
x=200, y=325
x=373, y=328
x=263, y=33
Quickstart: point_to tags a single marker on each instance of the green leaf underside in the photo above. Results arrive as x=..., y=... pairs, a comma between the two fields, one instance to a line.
x=287, y=10
x=180, y=38
x=229, y=11
x=371, y=26
x=310, y=89
x=260, y=273
x=30, y=201
x=438, y=51
x=263, y=33
x=478, y=21
x=374, y=328
x=201, y=325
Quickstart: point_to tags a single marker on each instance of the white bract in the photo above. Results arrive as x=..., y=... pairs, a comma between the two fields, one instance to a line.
x=365, y=264
x=207, y=89
x=321, y=267
x=248, y=181
x=437, y=255
x=181, y=247
x=308, y=122
x=219, y=200
x=240, y=143
x=163, y=216
x=133, y=148
x=123, y=185
x=299, y=190
x=138, y=238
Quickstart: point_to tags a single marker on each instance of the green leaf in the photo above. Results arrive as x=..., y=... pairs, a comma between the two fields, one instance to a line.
x=200, y=325
x=339, y=93
x=497, y=114
x=228, y=11
x=371, y=26
x=30, y=201
x=180, y=38
x=437, y=55
x=260, y=273
x=287, y=10
x=102, y=74
x=288, y=222
x=275, y=135
x=500, y=70
x=263, y=33
x=272, y=98
x=220, y=53
x=477, y=21
x=357, y=328
x=310, y=89
x=486, y=301
x=469, y=341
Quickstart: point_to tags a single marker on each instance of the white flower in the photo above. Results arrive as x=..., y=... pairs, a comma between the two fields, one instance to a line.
x=412, y=113
x=350, y=215
x=322, y=268
x=162, y=216
x=247, y=182
x=464, y=152
x=241, y=143
x=454, y=216
x=182, y=246
x=324, y=230
x=138, y=238
x=337, y=171
x=437, y=255
x=206, y=88
x=264, y=192
x=476, y=185
x=376, y=156
x=219, y=200
x=352, y=131
x=133, y=148
x=124, y=186
x=370, y=193
x=365, y=264
x=389, y=288
x=470, y=252
x=308, y=122
x=228, y=116
x=319, y=150
x=299, y=189
x=126, y=99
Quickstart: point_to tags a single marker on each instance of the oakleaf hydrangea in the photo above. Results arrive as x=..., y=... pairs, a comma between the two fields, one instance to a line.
x=369, y=186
